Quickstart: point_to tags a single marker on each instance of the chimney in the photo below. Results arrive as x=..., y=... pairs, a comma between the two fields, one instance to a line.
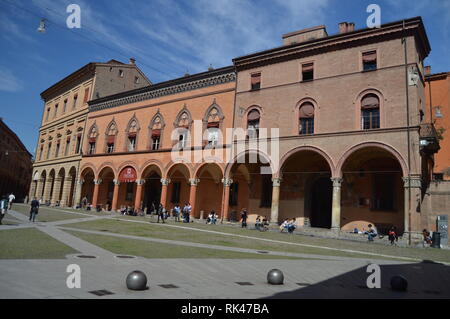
x=343, y=27
x=351, y=27
x=132, y=61
x=427, y=70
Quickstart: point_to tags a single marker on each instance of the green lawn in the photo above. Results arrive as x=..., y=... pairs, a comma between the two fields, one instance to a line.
x=46, y=214
x=30, y=243
x=194, y=236
x=123, y=246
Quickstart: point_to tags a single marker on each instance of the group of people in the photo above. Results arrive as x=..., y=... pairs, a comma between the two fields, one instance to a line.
x=261, y=223
x=288, y=225
x=212, y=218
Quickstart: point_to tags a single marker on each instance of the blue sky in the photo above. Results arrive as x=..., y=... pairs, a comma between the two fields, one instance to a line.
x=168, y=38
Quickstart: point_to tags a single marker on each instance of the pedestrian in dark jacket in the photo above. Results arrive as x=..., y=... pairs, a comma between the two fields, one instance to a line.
x=161, y=212
x=244, y=216
x=34, y=209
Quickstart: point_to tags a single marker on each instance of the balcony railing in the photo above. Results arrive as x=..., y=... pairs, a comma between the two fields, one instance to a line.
x=429, y=140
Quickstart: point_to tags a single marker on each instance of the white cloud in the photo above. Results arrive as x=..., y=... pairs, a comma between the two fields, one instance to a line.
x=8, y=81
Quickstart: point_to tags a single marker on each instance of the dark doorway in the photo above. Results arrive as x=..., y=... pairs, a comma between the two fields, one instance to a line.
x=152, y=192
x=321, y=203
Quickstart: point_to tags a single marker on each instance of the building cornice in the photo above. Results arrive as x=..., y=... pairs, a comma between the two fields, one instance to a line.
x=413, y=26
x=188, y=83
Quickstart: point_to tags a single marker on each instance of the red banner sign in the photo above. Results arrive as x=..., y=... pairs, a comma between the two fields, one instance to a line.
x=128, y=175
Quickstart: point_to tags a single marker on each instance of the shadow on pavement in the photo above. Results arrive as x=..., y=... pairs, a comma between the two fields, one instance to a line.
x=425, y=280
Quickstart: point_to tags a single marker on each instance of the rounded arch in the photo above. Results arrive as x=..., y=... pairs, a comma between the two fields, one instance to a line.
x=296, y=112
x=63, y=171
x=315, y=149
x=258, y=153
x=86, y=171
x=358, y=104
x=386, y=147
x=86, y=166
x=250, y=109
x=127, y=164
x=149, y=164
x=52, y=173
x=104, y=167
x=44, y=174
x=218, y=168
x=187, y=171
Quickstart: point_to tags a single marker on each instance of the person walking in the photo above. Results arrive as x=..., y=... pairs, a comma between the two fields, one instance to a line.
x=188, y=208
x=176, y=212
x=161, y=213
x=34, y=209
x=244, y=216
x=11, y=198
x=3, y=208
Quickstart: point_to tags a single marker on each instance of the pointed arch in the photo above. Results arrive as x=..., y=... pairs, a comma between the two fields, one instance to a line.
x=111, y=136
x=156, y=130
x=132, y=134
x=183, y=119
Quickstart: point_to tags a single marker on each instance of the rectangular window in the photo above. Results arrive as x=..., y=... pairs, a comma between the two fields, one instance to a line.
x=234, y=191
x=182, y=140
x=48, y=114
x=130, y=190
x=253, y=129
x=370, y=119
x=40, y=152
x=136, y=80
x=308, y=72
x=65, y=106
x=56, y=111
x=213, y=136
x=306, y=126
x=266, y=190
x=109, y=148
x=66, y=152
x=75, y=101
x=256, y=81
x=156, y=140
x=57, y=150
x=121, y=73
x=78, y=148
x=91, y=148
x=176, y=191
x=49, y=150
x=131, y=143
x=369, y=61
x=383, y=192
x=86, y=95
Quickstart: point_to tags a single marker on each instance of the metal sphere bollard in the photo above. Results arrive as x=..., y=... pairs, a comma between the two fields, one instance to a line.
x=275, y=277
x=137, y=280
x=399, y=283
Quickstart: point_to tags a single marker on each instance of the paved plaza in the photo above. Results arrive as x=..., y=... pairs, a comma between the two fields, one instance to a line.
x=308, y=276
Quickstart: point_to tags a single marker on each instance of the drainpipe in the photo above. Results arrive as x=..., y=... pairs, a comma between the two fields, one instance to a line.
x=408, y=132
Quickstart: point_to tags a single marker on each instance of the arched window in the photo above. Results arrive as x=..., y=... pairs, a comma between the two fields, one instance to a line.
x=213, y=120
x=253, y=120
x=92, y=140
x=132, y=131
x=156, y=129
x=306, y=119
x=183, y=124
x=111, y=137
x=370, y=112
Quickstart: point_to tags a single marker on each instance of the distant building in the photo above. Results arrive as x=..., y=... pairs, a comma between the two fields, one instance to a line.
x=58, y=151
x=15, y=164
x=437, y=92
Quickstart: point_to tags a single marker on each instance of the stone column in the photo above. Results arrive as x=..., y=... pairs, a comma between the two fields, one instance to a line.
x=56, y=191
x=412, y=223
x=226, y=197
x=165, y=183
x=47, y=190
x=39, y=186
x=138, y=199
x=66, y=191
x=32, y=192
x=115, y=195
x=78, y=190
x=276, y=184
x=193, y=194
x=336, y=209
x=97, y=183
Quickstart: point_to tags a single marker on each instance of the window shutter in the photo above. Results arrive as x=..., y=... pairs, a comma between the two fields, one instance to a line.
x=370, y=56
x=306, y=111
x=370, y=101
x=308, y=67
